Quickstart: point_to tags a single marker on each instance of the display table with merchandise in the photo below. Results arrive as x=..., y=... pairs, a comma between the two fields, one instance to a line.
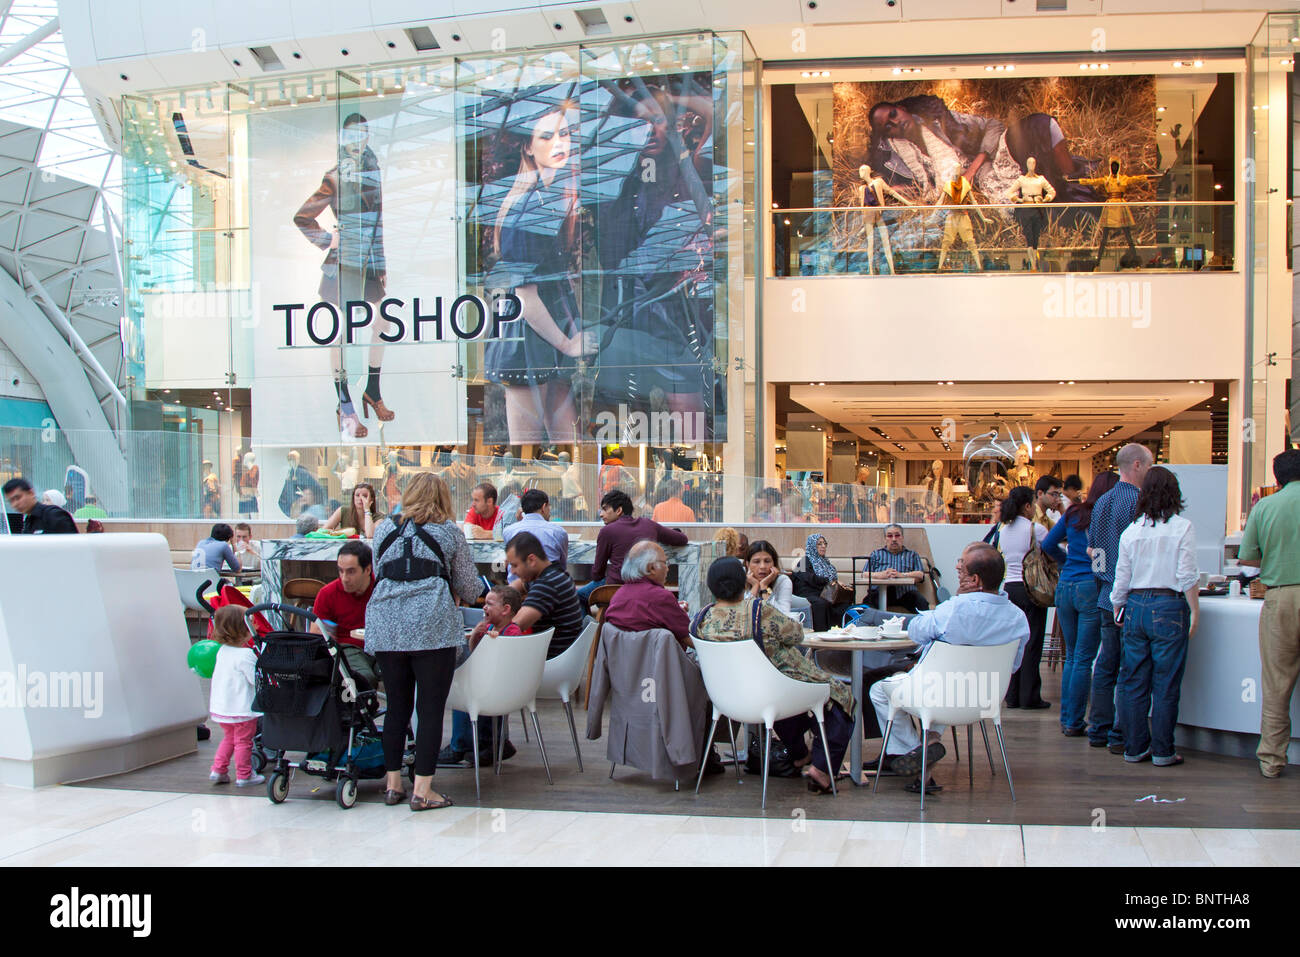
x=690, y=562
x=1221, y=701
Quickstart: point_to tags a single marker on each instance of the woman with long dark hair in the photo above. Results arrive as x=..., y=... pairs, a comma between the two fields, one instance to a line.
x=355, y=267
x=763, y=576
x=361, y=514
x=533, y=250
x=1076, y=603
x=1015, y=526
x=1156, y=594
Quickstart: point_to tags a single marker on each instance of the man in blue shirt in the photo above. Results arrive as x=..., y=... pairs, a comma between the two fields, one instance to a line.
x=894, y=562
x=1113, y=513
x=979, y=614
x=215, y=550
x=537, y=519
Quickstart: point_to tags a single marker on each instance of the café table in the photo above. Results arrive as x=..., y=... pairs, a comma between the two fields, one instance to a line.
x=857, y=647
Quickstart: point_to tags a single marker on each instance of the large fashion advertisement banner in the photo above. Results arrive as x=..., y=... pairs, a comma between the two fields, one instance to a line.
x=353, y=243
x=593, y=210
x=1031, y=146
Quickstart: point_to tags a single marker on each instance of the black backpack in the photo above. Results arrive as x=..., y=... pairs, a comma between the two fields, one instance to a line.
x=408, y=567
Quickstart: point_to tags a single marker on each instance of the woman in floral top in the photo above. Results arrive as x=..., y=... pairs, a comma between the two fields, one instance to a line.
x=731, y=618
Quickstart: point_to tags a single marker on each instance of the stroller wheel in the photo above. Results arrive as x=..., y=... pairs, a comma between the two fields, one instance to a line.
x=345, y=793
x=259, y=760
x=277, y=787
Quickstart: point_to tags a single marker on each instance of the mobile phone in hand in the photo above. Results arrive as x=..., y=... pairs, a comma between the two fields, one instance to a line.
x=1119, y=615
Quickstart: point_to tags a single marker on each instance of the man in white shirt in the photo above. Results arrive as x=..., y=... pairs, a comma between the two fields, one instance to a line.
x=979, y=614
x=536, y=507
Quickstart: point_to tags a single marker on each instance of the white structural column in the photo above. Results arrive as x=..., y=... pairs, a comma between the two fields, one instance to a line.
x=36, y=343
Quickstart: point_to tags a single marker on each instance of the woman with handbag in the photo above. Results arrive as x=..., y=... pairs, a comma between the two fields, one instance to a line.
x=818, y=581
x=1016, y=536
x=414, y=629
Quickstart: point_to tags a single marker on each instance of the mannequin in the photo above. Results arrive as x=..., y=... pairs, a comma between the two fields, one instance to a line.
x=211, y=491
x=1022, y=473
x=1030, y=191
x=871, y=194
x=391, y=491
x=249, y=479
x=957, y=192
x=1115, y=216
x=938, y=493
x=461, y=478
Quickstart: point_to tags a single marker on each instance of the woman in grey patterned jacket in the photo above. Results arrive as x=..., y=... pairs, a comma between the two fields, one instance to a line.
x=414, y=629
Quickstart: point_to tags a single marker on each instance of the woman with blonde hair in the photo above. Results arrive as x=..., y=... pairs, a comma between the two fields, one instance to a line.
x=414, y=629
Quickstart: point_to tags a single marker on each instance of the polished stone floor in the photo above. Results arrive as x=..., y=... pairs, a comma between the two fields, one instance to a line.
x=100, y=827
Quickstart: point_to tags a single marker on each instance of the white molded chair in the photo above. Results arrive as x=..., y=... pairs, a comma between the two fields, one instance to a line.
x=502, y=675
x=955, y=685
x=801, y=608
x=563, y=675
x=746, y=687
x=188, y=584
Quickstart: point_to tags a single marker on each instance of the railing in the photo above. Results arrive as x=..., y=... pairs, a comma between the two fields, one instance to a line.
x=166, y=479
x=911, y=240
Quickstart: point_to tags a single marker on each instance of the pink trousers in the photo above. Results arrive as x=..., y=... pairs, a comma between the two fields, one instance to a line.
x=237, y=737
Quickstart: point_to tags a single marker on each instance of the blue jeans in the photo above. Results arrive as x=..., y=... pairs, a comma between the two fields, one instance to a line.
x=1076, y=609
x=1151, y=679
x=462, y=736
x=1101, y=726
x=584, y=593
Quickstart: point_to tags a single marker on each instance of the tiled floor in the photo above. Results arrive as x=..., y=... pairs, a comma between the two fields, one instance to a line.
x=94, y=826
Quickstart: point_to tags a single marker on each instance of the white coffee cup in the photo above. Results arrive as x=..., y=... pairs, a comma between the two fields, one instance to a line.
x=1234, y=588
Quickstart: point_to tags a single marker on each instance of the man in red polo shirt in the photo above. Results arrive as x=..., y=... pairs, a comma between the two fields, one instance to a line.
x=343, y=602
x=483, y=509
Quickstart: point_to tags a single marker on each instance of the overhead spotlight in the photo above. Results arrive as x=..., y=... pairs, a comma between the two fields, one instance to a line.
x=1198, y=63
x=1160, y=109
x=1177, y=64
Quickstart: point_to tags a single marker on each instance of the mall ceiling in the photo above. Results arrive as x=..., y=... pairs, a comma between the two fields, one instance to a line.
x=1068, y=419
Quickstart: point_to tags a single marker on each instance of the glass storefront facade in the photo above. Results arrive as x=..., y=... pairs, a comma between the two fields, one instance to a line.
x=517, y=257
x=547, y=268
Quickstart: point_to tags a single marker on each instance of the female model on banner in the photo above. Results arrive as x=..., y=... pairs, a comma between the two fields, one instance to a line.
x=354, y=267
x=657, y=253
x=530, y=205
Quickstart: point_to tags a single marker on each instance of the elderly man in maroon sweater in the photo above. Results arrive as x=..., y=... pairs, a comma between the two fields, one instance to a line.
x=643, y=602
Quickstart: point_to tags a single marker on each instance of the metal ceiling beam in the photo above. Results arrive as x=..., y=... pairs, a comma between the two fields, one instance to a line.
x=44, y=32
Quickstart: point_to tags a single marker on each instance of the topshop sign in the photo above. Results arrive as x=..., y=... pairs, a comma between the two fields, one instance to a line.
x=468, y=318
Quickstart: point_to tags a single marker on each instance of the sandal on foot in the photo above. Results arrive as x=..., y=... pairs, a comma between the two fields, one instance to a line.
x=424, y=804
x=393, y=798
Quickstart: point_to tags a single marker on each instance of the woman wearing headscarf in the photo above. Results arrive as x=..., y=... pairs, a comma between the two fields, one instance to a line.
x=811, y=582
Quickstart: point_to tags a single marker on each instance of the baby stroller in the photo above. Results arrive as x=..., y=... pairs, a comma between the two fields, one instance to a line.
x=312, y=701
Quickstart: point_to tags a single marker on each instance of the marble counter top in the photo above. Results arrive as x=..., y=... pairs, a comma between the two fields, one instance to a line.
x=691, y=561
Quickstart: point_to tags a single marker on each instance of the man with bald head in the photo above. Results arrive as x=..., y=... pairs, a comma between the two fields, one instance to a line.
x=643, y=602
x=1113, y=513
x=979, y=614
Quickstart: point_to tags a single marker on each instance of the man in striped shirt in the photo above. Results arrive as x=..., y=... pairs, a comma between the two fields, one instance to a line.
x=1113, y=513
x=551, y=600
x=896, y=563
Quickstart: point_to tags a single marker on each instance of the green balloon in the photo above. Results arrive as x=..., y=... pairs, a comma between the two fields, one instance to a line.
x=203, y=658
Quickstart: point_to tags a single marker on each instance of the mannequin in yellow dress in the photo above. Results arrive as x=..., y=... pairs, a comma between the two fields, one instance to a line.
x=1115, y=214
x=958, y=225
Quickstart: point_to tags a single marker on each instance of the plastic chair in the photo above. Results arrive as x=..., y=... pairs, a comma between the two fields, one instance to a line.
x=951, y=669
x=192, y=584
x=502, y=675
x=746, y=687
x=562, y=677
